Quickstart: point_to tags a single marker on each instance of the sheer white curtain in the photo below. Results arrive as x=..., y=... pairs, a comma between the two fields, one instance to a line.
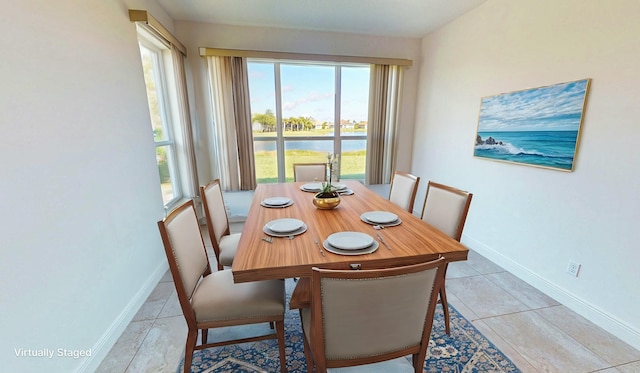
x=185, y=120
x=232, y=140
x=384, y=107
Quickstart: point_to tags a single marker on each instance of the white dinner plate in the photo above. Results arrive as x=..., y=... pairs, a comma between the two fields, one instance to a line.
x=339, y=186
x=285, y=225
x=316, y=187
x=301, y=230
x=311, y=187
x=392, y=224
x=276, y=206
x=380, y=217
x=276, y=201
x=335, y=250
x=350, y=240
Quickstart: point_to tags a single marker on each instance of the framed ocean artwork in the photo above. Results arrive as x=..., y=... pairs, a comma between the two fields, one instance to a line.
x=537, y=127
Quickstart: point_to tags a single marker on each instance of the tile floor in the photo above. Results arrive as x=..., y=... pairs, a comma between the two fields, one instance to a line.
x=537, y=333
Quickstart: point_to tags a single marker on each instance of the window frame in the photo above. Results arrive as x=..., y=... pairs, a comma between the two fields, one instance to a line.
x=161, y=55
x=280, y=139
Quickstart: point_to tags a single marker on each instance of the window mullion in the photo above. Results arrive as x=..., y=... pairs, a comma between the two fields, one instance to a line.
x=337, y=144
x=279, y=125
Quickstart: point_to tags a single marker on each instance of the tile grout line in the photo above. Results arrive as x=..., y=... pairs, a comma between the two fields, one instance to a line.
x=580, y=343
x=139, y=347
x=523, y=356
x=154, y=320
x=496, y=333
x=556, y=327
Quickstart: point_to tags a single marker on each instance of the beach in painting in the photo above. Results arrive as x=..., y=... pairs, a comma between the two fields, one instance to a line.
x=540, y=148
x=537, y=127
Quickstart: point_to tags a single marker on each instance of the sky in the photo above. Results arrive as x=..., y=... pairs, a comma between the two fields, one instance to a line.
x=553, y=108
x=308, y=91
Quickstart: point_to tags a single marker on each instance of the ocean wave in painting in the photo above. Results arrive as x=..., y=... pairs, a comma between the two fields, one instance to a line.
x=541, y=148
x=507, y=149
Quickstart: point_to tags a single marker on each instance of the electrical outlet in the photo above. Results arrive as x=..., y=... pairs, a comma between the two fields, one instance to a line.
x=573, y=268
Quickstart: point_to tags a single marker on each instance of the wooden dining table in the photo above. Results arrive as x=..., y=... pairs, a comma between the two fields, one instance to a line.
x=256, y=259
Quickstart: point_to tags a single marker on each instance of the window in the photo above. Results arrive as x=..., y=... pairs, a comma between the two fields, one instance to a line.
x=154, y=58
x=302, y=111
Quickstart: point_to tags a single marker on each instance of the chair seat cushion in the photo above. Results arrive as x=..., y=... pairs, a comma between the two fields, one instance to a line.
x=218, y=298
x=228, y=247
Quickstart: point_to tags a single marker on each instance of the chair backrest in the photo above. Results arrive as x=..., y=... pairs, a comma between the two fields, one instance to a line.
x=309, y=172
x=215, y=212
x=358, y=317
x=185, y=250
x=403, y=190
x=446, y=208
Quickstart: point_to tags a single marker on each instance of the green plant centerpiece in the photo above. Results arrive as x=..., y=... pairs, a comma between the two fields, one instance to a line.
x=328, y=198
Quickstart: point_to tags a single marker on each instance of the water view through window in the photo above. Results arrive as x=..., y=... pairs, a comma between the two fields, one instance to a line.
x=302, y=111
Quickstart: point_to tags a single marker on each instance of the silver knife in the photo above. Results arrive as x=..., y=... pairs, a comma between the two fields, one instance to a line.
x=319, y=247
x=383, y=241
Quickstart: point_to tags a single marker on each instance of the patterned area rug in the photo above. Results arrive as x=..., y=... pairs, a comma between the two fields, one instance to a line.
x=466, y=350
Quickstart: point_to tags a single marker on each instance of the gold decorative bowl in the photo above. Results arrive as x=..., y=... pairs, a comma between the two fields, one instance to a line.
x=326, y=200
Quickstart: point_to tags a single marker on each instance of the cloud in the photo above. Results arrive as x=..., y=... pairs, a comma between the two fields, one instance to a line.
x=546, y=108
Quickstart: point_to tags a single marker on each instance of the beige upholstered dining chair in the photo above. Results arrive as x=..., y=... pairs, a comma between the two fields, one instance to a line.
x=446, y=208
x=309, y=172
x=212, y=299
x=368, y=316
x=224, y=243
x=403, y=190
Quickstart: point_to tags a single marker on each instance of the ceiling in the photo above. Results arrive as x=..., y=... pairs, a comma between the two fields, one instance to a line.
x=398, y=18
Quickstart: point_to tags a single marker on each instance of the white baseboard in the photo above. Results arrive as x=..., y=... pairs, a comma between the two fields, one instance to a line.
x=100, y=350
x=587, y=310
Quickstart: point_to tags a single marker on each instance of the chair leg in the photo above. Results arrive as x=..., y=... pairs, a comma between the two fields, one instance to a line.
x=205, y=335
x=418, y=362
x=445, y=309
x=321, y=366
x=192, y=337
x=307, y=353
x=283, y=356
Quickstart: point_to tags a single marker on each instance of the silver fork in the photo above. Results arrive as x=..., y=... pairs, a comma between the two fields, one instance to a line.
x=383, y=241
x=319, y=247
x=268, y=239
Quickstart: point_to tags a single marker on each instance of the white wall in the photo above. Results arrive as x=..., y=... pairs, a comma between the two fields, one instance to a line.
x=80, y=249
x=195, y=35
x=532, y=221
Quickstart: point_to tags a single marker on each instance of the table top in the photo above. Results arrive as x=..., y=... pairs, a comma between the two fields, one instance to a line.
x=412, y=241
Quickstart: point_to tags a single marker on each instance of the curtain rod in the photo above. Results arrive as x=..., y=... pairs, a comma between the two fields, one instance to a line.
x=302, y=56
x=146, y=18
